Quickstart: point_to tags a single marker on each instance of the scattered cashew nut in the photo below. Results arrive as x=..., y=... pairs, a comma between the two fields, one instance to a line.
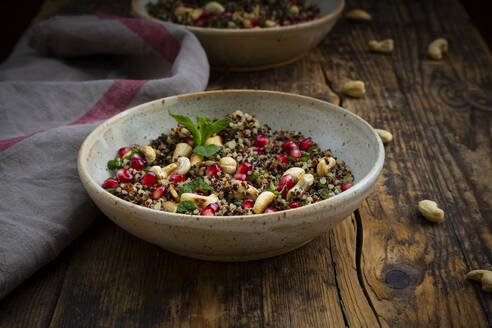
x=200, y=201
x=228, y=164
x=182, y=11
x=262, y=202
x=182, y=150
x=385, y=136
x=149, y=153
x=214, y=8
x=384, y=46
x=304, y=183
x=358, y=15
x=183, y=165
x=484, y=276
x=430, y=211
x=173, y=193
x=296, y=172
x=437, y=48
x=354, y=89
x=323, y=168
x=164, y=172
x=170, y=206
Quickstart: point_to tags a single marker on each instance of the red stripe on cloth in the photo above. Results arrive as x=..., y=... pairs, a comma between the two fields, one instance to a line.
x=6, y=143
x=155, y=34
x=115, y=100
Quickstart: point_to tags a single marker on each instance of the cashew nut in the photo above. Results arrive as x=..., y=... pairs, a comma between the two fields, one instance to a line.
x=149, y=153
x=294, y=10
x=430, y=211
x=200, y=201
x=437, y=48
x=484, y=276
x=170, y=206
x=354, y=89
x=242, y=190
x=163, y=172
x=195, y=159
x=358, y=15
x=304, y=183
x=182, y=11
x=385, y=136
x=385, y=46
x=215, y=140
x=296, y=172
x=214, y=8
x=270, y=23
x=323, y=168
x=182, y=149
x=262, y=202
x=196, y=13
x=183, y=165
x=173, y=193
x=228, y=164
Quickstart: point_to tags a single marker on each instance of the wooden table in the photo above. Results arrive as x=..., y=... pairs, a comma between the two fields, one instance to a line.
x=389, y=267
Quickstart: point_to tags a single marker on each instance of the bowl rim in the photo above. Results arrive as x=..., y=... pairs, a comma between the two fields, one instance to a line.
x=213, y=30
x=358, y=188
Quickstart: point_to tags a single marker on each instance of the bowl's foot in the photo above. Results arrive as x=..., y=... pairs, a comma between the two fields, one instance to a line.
x=240, y=258
x=258, y=68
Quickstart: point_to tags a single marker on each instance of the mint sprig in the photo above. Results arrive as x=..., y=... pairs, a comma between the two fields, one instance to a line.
x=205, y=129
x=186, y=206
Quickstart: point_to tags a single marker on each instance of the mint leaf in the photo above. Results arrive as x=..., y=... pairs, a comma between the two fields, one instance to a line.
x=111, y=190
x=305, y=157
x=188, y=123
x=191, y=186
x=186, y=206
x=204, y=185
x=206, y=151
x=325, y=195
x=218, y=126
x=313, y=148
x=254, y=176
x=116, y=163
x=281, y=191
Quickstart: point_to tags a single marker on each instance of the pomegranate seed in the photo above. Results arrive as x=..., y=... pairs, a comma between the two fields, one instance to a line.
x=346, y=186
x=282, y=159
x=258, y=149
x=213, y=170
x=294, y=204
x=289, y=146
x=255, y=22
x=240, y=176
x=199, y=193
x=149, y=179
x=214, y=207
x=110, y=183
x=124, y=175
x=190, y=141
x=296, y=153
x=245, y=168
x=306, y=144
x=137, y=162
x=158, y=192
x=280, y=187
x=296, y=19
x=287, y=180
x=270, y=210
x=260, y=141
x=176, y=178
x=203, y=17
x=207, y=212
x=123, y=150
x=248, y=203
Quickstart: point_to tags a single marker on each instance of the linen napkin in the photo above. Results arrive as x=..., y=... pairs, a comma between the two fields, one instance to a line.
x=64, y=77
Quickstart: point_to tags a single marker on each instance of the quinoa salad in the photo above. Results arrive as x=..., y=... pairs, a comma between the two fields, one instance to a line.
x=230, y=166
x=235, y=14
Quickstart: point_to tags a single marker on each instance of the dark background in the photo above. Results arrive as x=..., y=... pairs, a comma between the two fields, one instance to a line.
x=16, y=18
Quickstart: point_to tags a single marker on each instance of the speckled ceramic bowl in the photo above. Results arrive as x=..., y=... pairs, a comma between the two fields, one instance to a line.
x=235, y=238
x=255, y=49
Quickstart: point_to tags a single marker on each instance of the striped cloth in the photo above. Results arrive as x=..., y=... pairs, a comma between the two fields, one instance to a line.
x=64, y=76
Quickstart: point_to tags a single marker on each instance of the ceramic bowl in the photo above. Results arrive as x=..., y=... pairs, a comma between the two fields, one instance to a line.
x=235, y=238
x=255, y=49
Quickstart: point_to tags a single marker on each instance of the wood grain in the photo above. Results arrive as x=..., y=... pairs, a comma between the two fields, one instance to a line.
x=386, y=267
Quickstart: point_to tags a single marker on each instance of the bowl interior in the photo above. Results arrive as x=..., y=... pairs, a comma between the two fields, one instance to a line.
x=327, y=6
x=349, y=137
